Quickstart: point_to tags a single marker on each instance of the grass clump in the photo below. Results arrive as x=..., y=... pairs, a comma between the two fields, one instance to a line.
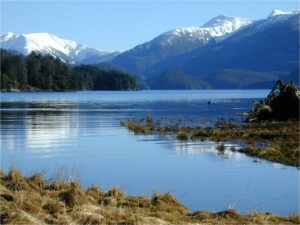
x=294, y=218
x=114, y=197
x=182, y=136
x=167, y=200
x=139, y=127
x=138, y=202
x=16, y=180
x=54, y=207
x=116, y=193
x=95, y=193
x=74, y=195
x=221, y=148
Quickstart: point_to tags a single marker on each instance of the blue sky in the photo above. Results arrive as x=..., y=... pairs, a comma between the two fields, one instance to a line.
x=120, y=25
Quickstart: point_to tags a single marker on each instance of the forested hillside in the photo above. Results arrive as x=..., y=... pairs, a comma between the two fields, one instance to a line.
x=177, y=80
x=43, y=72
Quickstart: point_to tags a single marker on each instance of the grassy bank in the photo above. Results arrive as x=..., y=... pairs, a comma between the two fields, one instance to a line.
x=273, y=141
x=32, y=200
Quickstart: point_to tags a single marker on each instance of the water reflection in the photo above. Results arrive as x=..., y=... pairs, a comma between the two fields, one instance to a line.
x=46, y=130
x=195, y=147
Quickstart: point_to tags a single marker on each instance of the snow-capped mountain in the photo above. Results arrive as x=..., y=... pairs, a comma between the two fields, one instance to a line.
x=255, y=56
x=45, y=43
x=178, y=41
x=274, y=17
x=222, y=26
x=216, y=27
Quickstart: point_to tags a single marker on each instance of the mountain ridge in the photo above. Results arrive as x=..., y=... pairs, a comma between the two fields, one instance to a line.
x=46, y=43
x=177, y=41
x=266, y=46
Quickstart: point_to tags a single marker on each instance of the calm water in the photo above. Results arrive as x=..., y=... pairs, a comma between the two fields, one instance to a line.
x=79, y=134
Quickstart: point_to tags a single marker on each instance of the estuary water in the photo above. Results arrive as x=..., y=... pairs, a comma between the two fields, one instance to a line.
x=77, y=135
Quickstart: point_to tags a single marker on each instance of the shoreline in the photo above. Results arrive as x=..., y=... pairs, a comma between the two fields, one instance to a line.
x=53, y=91
x=33, y=200
x=37, y=91
x=279, y=140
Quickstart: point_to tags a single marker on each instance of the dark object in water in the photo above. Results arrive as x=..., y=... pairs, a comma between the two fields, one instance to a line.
x=282, y=103
x=209, y=102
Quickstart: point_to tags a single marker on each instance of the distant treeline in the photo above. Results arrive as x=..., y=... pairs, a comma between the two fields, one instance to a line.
x=43, y=72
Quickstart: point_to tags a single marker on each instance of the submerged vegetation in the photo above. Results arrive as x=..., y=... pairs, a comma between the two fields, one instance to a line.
x=274, y=141
x=33, y=200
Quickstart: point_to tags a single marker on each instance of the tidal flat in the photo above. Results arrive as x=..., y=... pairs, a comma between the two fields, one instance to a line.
x=273, y=141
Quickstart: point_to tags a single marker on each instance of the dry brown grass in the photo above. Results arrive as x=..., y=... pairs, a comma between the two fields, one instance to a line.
x=74, y=195
x=32, y=200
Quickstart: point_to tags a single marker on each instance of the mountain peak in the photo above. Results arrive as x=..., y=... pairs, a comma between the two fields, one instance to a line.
x=7, y=36
x=277, y=12
x=221, y=17
x=217, y=26
x=224, y=19
x=39, y=35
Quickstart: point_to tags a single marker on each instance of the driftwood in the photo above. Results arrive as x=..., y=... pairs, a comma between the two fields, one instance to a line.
x=282, y=103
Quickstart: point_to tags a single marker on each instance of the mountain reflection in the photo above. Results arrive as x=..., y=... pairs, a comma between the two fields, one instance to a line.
x=42, y=130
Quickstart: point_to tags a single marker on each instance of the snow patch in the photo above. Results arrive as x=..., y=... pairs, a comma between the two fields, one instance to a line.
x=277, y=12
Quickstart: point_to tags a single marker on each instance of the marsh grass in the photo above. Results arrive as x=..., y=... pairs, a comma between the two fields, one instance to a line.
x=221, y=148
x=69, y=203
x=183, y=135
x=278, y=141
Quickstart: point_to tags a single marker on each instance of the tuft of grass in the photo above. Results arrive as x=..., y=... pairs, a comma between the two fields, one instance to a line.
x=221, y=148
x=149, y=120
x=116, y=193
x=95, y=193
x=137, y=202
x=168, y=202
x=233, y=149
x=54, y=207
x=230, y=213
x=139, y=127
x=295, y=218
x=74, y=196
x=16, y=180
x=183, y=135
